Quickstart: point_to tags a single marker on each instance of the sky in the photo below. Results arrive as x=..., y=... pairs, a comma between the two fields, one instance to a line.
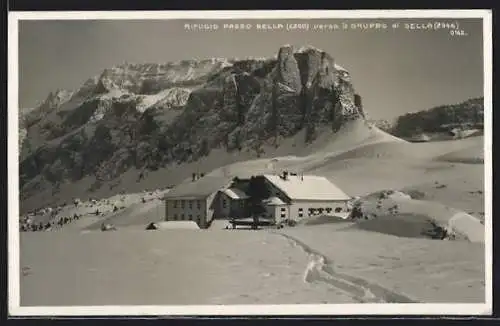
x=394, y=70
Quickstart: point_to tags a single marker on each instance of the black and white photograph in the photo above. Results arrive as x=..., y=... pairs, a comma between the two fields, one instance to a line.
x=250, y=162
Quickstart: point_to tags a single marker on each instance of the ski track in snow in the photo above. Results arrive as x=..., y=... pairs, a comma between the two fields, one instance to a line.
x=320, y=269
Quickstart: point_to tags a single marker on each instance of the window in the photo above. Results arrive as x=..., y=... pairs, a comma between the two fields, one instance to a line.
x=329, y=209
x=283, y=209
x=224, y=203
x=175, y=217
x=198, y=218
x=301, y=214
x=338, y=209
x=320, y=210
x=198, y=204
x=301, y=209
x=190, y=204
x=182, y=216
x=190, y=217
x=182, y=203
x=175, y=203
x=283, y=215
x=242, y=204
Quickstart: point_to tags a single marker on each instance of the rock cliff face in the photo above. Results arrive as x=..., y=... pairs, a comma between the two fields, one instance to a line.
x=152, y=116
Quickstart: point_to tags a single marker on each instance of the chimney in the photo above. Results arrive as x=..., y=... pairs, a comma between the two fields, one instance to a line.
x=194, y=177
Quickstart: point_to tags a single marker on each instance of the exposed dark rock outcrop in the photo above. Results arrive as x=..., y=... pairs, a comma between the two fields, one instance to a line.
x=465, y=115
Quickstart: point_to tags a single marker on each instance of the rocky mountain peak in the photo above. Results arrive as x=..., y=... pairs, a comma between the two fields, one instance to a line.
x=163, y=115
x=309, y=62
x=309, y=48
x=288, y=72
x=57, y=97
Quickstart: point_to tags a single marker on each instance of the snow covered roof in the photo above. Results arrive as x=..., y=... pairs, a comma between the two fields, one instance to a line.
x=307, y=187
x=167, y=225
x=235, y=193
x=200, y=188
x=274, y=201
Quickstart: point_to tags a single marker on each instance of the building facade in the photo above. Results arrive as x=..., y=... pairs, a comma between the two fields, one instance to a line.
x=291, y=197
x=187, y=209
x=195, y=200
x=300, y=209
x=297, y=197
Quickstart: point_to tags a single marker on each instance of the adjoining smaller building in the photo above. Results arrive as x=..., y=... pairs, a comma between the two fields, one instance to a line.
x=275, y=208
x=231, y=203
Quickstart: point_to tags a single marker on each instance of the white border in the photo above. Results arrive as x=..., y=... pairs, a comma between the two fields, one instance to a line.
x=324, y=309
x=488, y=157
x=13, y=167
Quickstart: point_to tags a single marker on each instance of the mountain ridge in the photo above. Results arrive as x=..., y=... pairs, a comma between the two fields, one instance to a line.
x=149, y=117
x=467, y=114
